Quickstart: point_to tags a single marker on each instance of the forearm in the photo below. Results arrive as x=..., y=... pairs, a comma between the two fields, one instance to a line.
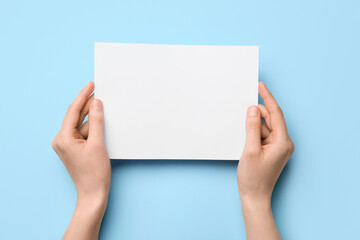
x=259, y=220
x=86, y=220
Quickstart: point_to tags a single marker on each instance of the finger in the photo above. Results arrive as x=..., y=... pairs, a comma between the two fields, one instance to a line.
x=85, y=110
x=265, y=132
x=96, y=121
x=275, y=112
x=84, y=130
x=265, y=115
x=253, y=130
x=72, y=115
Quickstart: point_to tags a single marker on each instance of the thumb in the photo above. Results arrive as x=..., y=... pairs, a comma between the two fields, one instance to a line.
x=253, y=130
x=96, y=121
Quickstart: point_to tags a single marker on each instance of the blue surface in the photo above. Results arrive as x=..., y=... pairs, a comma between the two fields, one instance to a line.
x=309, y=58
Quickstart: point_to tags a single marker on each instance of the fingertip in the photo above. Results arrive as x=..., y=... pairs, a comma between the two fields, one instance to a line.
x=87, y=90
x=261, y=84
x=97, y=104
x=262, y=87
x=91, y=84
x=253, y=118
x=253, y=111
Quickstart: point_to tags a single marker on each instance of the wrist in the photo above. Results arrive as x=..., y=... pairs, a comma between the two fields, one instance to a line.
x=256, y=204
x=93, y=202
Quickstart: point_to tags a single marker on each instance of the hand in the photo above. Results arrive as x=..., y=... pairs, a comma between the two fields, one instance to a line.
x=267, y=149
x=81, y=148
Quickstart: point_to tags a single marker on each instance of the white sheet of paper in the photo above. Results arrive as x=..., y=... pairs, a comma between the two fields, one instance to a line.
x=175, y=101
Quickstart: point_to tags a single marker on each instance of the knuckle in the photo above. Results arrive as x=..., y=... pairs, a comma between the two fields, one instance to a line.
x=279, y=110
x=289, y=146
x=264, y=112
x=253, y=123
x=59, y=143
x=96, y=118
x=292, y=147
x=54, y=143
x=266, y=115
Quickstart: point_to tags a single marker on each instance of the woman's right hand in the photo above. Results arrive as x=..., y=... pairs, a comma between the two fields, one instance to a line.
x=267, y=149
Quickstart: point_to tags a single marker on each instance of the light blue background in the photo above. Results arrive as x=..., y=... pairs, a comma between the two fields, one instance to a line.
x=309, y=58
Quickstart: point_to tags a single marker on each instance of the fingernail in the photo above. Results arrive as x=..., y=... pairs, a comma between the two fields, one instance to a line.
x=97, y=104
x=253, y=111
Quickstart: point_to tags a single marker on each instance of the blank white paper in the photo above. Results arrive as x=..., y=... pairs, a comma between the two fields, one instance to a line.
x=175, y=101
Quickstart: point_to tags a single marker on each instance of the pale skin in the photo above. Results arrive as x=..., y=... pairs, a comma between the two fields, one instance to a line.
x=80, y=146
x=267, y=149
